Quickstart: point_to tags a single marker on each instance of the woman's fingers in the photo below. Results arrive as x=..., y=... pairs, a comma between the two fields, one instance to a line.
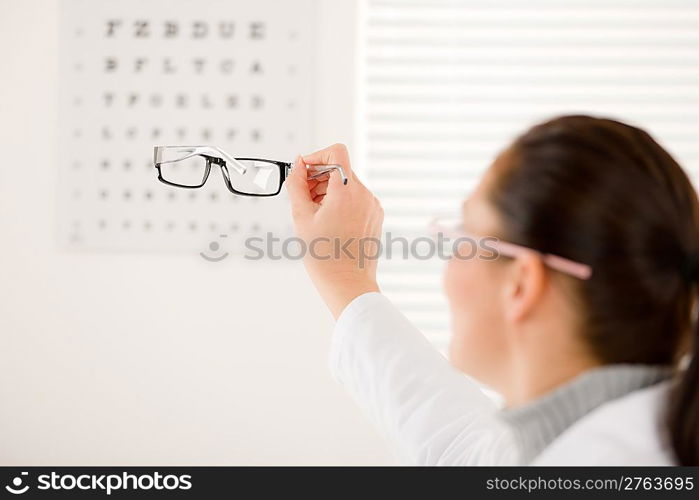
x=332, y=186
x=299, y=192
x=332, y=155
x=337, y=190
x=306, y=194
x=320, y=188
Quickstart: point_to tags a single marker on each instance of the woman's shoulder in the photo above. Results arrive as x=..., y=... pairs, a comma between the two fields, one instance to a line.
x=626, y=431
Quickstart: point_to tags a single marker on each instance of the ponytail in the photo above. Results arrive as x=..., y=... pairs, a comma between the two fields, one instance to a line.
x=684, y=402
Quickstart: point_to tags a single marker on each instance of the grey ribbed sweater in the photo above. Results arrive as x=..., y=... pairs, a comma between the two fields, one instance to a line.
x=538, y=423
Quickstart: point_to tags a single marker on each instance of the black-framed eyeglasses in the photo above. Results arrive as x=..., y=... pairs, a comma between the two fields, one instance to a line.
x=189, y=167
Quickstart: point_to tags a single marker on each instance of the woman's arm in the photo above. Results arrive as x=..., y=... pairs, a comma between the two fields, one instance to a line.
x=434, y=413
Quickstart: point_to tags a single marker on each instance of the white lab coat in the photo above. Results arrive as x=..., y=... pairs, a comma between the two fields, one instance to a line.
x=437, y=416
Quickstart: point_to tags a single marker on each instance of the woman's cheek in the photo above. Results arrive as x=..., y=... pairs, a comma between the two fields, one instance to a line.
x=474, y=326
x=458, y=289
x=449, y=280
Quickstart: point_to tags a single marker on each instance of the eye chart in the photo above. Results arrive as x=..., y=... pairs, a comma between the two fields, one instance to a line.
x=133, y=74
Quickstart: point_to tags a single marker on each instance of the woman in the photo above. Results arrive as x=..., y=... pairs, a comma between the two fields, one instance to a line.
x=585, y=333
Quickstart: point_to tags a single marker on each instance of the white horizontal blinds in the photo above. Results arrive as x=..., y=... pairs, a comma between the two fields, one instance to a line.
x=446, y=84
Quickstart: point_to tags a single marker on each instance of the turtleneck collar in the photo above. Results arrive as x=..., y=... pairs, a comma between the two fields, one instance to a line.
x=538, y=423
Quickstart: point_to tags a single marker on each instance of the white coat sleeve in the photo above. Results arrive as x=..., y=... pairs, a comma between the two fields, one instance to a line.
x=433, y=413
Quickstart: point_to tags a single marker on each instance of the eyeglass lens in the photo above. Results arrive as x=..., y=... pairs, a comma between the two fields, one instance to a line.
x=260, y=178
x=184, y=172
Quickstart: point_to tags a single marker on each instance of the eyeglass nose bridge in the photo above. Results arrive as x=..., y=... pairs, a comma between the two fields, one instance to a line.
x=224, y=171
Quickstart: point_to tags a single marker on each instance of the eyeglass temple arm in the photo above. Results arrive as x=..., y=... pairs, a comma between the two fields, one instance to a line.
x=230, y=161
x=320, y=170
x=200, y=151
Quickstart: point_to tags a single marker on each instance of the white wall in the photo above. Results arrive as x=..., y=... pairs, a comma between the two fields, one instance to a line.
x=108, y=359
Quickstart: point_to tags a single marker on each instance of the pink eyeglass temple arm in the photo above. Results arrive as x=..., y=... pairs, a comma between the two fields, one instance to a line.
x=566, y=266
x=561, y=264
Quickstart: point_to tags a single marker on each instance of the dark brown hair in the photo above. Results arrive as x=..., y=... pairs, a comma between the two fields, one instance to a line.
x=606, y=194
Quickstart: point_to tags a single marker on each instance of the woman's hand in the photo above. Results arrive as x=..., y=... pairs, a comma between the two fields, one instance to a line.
x=341, y=226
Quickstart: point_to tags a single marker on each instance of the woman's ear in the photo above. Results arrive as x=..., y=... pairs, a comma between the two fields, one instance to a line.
x=525, y=286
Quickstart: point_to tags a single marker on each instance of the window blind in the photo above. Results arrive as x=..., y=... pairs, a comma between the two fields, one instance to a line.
x=445, y=85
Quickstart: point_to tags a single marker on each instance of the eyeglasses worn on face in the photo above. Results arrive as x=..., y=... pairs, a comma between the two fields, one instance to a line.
x=452, y=227
x=189, y=167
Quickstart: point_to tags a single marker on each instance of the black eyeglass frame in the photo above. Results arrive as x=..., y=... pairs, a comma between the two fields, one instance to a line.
x=281, y=165
x=203, y=151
